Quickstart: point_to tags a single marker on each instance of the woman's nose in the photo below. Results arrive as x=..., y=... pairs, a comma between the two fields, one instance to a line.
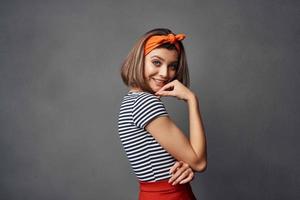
x=163, y=71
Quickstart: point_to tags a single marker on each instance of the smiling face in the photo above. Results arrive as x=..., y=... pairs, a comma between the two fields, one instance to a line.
x=160, y=67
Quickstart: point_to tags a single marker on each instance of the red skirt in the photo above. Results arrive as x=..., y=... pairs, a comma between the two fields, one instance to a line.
x=162, y=190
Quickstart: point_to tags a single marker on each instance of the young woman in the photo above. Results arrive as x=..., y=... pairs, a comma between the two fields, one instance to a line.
x=154, y=145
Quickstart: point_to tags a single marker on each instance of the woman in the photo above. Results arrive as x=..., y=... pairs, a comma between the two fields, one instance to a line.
x=156, y=67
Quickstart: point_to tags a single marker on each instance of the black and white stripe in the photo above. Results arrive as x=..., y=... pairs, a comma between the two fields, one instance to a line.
x=149, y=161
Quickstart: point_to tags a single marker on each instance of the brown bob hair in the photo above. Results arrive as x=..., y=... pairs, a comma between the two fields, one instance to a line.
x=132, y=69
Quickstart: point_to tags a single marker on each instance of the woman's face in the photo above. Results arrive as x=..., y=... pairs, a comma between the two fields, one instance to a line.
x=160, y=67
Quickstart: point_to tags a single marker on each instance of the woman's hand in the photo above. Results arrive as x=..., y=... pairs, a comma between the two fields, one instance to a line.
x=176, y=89
x=181, y=173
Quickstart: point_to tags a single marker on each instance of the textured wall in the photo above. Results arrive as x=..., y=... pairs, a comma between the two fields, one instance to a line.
x=60, y=92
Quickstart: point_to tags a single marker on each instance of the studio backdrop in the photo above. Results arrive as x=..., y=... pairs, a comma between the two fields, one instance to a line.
x=60, y=92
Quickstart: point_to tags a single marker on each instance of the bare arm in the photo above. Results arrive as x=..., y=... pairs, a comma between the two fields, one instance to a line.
x=197, y=132
x=191, y=151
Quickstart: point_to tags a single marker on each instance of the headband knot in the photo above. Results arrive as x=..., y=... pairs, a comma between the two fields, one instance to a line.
x=158, y=40
x=171, y=38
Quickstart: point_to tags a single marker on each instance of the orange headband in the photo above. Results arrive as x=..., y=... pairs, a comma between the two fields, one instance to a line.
x=157, y=40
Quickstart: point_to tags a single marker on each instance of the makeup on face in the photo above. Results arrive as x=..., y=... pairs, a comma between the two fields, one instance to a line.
x=160, y=67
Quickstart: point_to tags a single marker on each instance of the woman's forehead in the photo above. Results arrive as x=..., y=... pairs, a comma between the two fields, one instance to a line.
x=164, y=54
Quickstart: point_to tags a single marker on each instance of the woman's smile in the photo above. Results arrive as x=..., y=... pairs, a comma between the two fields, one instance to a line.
x=159, y=82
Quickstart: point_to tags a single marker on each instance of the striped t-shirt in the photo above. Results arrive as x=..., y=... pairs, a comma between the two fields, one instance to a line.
x=149, y=161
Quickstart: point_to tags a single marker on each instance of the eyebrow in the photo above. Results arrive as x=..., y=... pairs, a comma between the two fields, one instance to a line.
x=162, y=58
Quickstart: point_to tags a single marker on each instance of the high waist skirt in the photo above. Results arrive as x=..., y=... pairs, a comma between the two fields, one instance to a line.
x=162, y=190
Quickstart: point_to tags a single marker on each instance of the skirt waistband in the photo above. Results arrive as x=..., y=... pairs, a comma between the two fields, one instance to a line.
x=162, y=186
x=163, y=190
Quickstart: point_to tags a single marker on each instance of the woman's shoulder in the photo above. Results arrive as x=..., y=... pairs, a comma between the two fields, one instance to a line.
x=145, y=98
x=140, y=98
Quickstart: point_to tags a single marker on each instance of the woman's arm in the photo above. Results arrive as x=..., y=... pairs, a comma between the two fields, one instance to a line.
x=191, y=151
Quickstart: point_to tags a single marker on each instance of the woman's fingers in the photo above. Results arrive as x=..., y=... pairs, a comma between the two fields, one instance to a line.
x=165, y=93
x=183, y=176
x=188, y=179
x=174, y=169
x=180, y=173
x=176, y=175
x=174, y=88
x=168, y=86
x=166, y=90
x=170, y=89
x=175, y=166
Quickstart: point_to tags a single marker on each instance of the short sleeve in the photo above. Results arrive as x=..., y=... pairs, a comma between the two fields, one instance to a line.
x=147, y=107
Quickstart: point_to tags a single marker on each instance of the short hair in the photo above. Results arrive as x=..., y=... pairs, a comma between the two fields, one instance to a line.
x=132, y=69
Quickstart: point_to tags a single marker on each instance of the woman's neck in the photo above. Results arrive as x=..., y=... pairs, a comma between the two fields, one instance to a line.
x=135, y=90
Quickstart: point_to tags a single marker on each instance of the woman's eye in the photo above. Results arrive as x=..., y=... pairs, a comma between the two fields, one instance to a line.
x=156, y=62
x=174, y=67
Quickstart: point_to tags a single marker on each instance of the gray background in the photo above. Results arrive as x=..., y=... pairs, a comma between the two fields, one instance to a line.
x=60, y=92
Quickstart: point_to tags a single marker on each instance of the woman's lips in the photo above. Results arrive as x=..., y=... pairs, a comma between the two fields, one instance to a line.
x=159, y=82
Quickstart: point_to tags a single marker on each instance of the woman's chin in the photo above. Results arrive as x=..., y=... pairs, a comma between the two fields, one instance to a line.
x=156, y=88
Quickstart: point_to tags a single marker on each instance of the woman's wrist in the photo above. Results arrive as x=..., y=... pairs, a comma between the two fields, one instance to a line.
x=191, y=97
